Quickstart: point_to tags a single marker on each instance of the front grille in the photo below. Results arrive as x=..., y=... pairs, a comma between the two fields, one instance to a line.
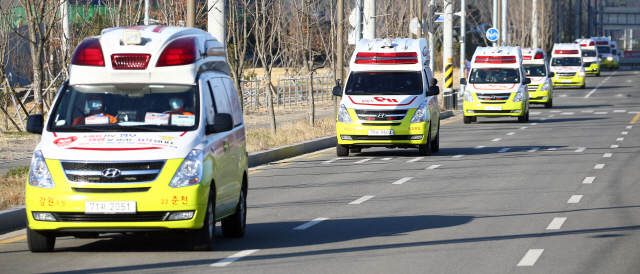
x=111, y=190
x=493, y=96
x=130, y=172
x=378, y=138
x=381, y=124
x=138, y=217
x=381, y=115
x=120, y=179
x=566, y=74
x=492, y=111
x=587, y=64
x=120, y=166
x=533, y=87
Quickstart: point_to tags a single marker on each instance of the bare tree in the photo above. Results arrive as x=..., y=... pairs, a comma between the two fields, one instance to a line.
x=238, y=30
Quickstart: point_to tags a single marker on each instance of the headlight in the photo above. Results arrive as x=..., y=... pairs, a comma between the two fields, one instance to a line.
x=190, y=171
x=581, y=74
x=468, y=97
x=545, y=87
x=519, y=96
x=609, y=58
x=343, y=115
x=422, y=113
x=39, y=175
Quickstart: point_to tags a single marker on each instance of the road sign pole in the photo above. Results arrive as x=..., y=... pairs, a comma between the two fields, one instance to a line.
x=359, y=20
x=463, y=61
x=419, y=19
x=448, y=47
x=534, y=28
x=369, y=19
x=504, y=14
x=432, y=60
x=495, y=17
x=340, y=49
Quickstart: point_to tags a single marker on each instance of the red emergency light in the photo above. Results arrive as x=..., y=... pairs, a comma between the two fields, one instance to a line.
x=525, y=57
x=387, y=58
x=130, y=61
x=496, y=60
x=590, y=44
x=560, y=51
x=88, y=53
x=180, y=52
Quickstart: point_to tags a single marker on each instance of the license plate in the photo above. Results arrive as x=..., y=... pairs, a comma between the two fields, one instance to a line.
x=120, y=207
x=380, y=132
x=565, y=81
x=493, y=108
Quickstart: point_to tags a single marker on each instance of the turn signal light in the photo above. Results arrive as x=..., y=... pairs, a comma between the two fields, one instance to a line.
x=180, y=52
x=88, y=53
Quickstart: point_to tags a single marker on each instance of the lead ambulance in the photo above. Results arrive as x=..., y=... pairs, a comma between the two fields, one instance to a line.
x=145, y=136
x=590, y=59
x=566, y=63
x=605, y=55
x=537, y=69
x=390, y=98
x=497, y=85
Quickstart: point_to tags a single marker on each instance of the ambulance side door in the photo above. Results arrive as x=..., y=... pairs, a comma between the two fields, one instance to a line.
x=433, y=105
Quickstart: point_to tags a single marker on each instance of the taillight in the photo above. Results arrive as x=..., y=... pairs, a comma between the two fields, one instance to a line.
x=88, y=53
x=180, y=52
x=592, y=43
x=539, y=55
x=130, y=61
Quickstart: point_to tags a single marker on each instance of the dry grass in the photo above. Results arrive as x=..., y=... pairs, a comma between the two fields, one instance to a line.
x=12, y=187
x=289, y=133
x=15, y=145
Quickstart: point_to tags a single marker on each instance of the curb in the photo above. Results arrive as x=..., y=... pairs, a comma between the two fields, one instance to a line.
x=17, y=217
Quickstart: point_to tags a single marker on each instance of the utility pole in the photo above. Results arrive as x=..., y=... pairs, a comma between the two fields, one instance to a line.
x=534, y=25
x=412, y=5
x=577, y=17
x=419, y=19
x=191, y=13
x=504, y=25
x=66, y=32
x=369, y=25
x=340, y=49
x=358, y=30
x=146, y=12
x=495, y=18
x=432, y=8
x=589, y=17
x=463, y=58
x=448, y=47
x=216, y=20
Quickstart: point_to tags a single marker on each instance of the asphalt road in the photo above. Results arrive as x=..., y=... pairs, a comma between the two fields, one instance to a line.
x=562, y=197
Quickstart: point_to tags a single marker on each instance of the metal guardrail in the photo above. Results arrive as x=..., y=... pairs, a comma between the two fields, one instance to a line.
x=450, y=99
x=289, y=91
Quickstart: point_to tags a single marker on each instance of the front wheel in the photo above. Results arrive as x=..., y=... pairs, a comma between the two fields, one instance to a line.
x=522, y=119
x=435, y=144
x=342, y=151
x=40, y=241
x=598, y=74
x=425, y=150
x=549, y=104
x=202, y=239
x=527, y=116
x=467, y=120
x=583, y=86
x=235, y=225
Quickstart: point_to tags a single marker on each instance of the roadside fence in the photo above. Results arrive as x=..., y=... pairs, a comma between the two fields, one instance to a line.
x=290, y=91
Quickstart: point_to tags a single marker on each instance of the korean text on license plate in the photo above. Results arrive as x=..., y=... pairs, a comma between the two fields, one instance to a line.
x=380, y=132
x=101, y=207
x=493, y=108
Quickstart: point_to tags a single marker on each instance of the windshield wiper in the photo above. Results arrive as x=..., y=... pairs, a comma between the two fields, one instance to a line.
x=130, y=128
x=77, y=128
x=392, y=93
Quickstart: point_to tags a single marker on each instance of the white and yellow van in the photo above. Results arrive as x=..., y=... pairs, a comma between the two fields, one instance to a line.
x=590, y=59
x=389, y=99
x=497, y=85
x=534, y=62
x=146, y=135
x=566, y=63
x=607, y=59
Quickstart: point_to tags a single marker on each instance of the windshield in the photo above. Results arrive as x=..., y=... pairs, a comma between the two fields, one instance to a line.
x=126, y=107
x=494, y=75
x=604, y=49
x=566, y=62
x=535, y=70
x=589, y=53
x=385, y=83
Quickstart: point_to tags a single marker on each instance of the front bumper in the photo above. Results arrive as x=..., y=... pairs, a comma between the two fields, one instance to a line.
x=568, y=80
x=593, y=69
x=607, y=63
x=538, y=96
x=403, y=130
x=507, y=108
x=152, y=206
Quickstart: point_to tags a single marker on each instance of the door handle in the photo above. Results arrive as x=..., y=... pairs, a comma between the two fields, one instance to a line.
x=225, y=145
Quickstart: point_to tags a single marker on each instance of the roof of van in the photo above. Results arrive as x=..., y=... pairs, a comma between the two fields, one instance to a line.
x=533, y=55
x=390, y=54
x=147, y=54
x=497, y=57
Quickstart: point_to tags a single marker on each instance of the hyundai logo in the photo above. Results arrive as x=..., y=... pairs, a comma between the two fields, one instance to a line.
x=111, y=173
x=381, y=115
x=493, y=97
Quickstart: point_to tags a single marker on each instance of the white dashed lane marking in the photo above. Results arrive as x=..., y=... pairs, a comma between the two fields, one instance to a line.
x=619, y=111
x=433, y=167
x=234, y=257
x=533, y=124
x=531, y=257
x=385, y=159
x=600, y=112
x=625, y=133
x=607, y=155
x=588, y=180
x=587, y=111
x=402, y=181
x=523, y=128
x=478, y=147
x=363, y=160
x=504, y=149
x=361, y=200
x=555, y=111
x=310, y=223
x=415, y=160
x=331, y=161
x=459, y=155
x=511, y=133
x=620, y=139
x=574, y=199
x=615, y=146
x=629, y=127
x=556, y=223
x=534, y=113
x=496, y=139
x=534, y=149
x=553, y=148
x=580, y=149
x=566, y=113
x=599, y=166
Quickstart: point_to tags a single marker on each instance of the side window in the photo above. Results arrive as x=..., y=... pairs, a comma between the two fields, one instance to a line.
x=426, y=76
x=220, y=96
x=235, y=102
x=208, y=102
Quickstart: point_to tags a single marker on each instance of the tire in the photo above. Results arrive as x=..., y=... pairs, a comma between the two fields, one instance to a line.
x=40, y=241
x=527, y=115
x=235, y=225
x=425, y=150
x=583, y=86
x=355, y=150
x=549, y=104
x=598, y=74
x=474, y=119
x=467, y=120
x=342, y=151
x=435, y=144
x=522, y=119
x=202, y=239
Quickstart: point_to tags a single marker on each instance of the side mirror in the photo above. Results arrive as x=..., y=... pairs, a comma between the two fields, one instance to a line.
x=552, y=74
x=433, y=91
x=221, y=122
x=463, y=81
x=527, y=81
x=337, y=91
x=35, y=123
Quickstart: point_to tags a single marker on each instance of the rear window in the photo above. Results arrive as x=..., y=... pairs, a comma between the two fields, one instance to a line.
x=604, y=49
x=384, y=83
x=535, y=70
x=589, y=53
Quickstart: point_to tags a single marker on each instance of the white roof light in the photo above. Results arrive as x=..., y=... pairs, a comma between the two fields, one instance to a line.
x=131, y=37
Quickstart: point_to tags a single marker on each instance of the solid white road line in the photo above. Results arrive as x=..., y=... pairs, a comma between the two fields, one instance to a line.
x=234, y=257
x=587, y=111
x=310, y=224
x=607, y=155
x=401, y=181
x=511, y=133
x=556, y=223
x=504, y=149
x=574, y=199
x=592, y=91
x=566, y=113
x=625, y=132
x=619, y=111
x=361, y=200
x=629, y=127
x=385, y=159
x=534, y=149
x=620, y=139
x=433, y=167
x=531, y=257
x=496, y=139
x=553, y=148
x=363, y=160
x=459, y=155
x=415, y=160
x=331, y=161
x=478, y=147
x=588, y=180
x=580, y=149
x=555, y=111
x=523, y=128
x=600, y=112
x=633, y=112
x=533, y=124
x=599, y=166
x=614, y=146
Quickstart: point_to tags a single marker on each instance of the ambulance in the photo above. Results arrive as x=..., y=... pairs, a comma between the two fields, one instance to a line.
x=616, y=54
x=605, y=55
x=146, y=135
x=590, y=59
x=566, y=63
x=389, y=99
x=497, y=85
x=536, y=68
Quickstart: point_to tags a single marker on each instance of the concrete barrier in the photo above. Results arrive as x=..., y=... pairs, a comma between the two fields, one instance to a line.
x=15, y=217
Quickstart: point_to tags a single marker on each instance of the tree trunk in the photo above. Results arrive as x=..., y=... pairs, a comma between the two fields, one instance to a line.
x=269, y=91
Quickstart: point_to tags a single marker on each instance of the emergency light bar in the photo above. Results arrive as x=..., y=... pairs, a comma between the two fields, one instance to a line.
x=590, y=44
x=602, y=43
x=387, y=58
x=496, y=60
x=559, y=51
x=130, y=61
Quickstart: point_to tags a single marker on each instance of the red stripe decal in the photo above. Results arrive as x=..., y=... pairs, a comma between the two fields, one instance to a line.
x=183, y=134
x=414, y=98
x=54, y=134
x=113, y=149
x=159, y=29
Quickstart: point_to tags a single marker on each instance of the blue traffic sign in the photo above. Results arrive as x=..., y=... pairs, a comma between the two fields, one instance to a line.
x=493, y=34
